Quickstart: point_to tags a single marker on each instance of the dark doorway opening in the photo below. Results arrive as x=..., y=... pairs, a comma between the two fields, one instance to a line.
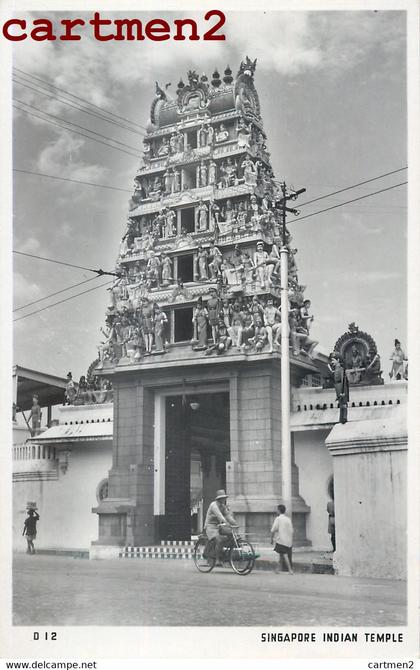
x=188, y=219
x=183, y=328
x=197, y=449
x=185, y=268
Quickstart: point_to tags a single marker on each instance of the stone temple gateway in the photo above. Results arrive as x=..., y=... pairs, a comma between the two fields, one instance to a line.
x=192, y=347
x=192, y=339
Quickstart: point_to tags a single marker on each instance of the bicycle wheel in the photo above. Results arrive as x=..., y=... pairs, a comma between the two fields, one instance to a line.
x=242, y=558
x=202, y=562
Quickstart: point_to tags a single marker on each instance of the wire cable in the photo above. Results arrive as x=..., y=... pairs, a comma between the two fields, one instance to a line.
x=76, y=125
x=74, y=181
x=79, y=108
x=63, y=290
x=60, y=125
x=368, y=195
x=347, y=188
x=63, y=90
x=51, y=260
x=59, y=302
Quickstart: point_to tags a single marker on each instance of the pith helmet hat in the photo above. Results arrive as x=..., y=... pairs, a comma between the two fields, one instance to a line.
x=221, y=494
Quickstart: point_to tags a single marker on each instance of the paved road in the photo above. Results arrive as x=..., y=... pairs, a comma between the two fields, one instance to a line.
x=67, y=591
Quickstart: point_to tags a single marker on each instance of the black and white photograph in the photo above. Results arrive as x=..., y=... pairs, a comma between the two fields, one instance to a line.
x=207, y=245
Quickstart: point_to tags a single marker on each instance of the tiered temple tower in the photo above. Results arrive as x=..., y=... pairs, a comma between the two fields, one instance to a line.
x=192, y=335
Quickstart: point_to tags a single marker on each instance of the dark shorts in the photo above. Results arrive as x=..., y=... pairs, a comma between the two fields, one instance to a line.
x=282, y=549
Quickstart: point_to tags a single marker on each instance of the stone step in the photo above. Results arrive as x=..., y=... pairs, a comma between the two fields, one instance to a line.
x=177, y=543
x=160, y=551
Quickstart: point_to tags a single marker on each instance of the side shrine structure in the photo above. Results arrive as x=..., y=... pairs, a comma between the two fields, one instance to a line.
x=192, y=337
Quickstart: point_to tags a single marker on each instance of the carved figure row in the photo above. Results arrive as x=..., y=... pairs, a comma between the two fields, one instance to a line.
x=88, y=391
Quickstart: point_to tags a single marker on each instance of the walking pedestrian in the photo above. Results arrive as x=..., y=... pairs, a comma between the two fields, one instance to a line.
x=29, y=529
x=282, y=537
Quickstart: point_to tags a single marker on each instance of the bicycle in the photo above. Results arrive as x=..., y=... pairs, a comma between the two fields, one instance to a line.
x=238, y=552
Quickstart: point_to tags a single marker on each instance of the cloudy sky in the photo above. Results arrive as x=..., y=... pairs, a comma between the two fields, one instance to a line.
x=332, y=87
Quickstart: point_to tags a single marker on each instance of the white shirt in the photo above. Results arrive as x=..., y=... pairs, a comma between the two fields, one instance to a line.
x=282, y=530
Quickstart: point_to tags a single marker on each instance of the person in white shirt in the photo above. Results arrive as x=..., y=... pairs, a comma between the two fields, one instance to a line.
x=282, y=537
x=218, y=514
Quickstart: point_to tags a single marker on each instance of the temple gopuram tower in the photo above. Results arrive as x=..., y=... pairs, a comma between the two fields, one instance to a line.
x=192, y=337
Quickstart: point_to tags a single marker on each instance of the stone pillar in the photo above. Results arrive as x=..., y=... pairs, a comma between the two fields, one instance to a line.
x=126, y=516
x=369, y=460
x=254, y=471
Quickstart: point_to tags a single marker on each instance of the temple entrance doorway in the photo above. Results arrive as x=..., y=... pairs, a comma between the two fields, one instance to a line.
x=196, y=448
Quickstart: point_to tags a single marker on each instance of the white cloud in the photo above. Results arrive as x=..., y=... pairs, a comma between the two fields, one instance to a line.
x=24, y=290
x=30, y=245
x=61, y=157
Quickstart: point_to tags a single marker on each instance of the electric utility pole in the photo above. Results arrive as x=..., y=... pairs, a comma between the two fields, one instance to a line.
x=286, y=447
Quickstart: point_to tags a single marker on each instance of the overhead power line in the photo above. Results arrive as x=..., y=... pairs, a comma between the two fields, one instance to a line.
x=60, y=125
x=63, y=290
x=75, y=181
x=99, y=272
x=347, y=188
x=59, y=302
x=77, y=97
x=361, y=197
x=71, y=123
x=79, y=108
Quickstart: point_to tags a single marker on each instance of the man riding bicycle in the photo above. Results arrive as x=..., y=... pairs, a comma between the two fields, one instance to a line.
x=218, y=513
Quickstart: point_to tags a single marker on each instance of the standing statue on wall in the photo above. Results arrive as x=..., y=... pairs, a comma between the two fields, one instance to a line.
x=71, y=390
x=168, y=179
x=212, y=173
x=147, y=323
x=202, y=273
x=216, y=262
x=176, y=182
x=160, y=321
x=166, y=265
x=202, y=172
x=214, y=308
x=260, y=263
x=397, y=357
x=200, y=321
x=170, y=219
x=153, y=270
x=202, y=219
x=222, y=134
x=35, y=416
x=356, y=366
x=272, y=321
x=202, y=136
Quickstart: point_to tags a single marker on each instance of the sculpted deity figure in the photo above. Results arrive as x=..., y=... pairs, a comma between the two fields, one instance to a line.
x=168, y=178
x=164, y=147
x=397, y=357
x=216, y=262
x=147, y=323
x=153, y=270
x=223, y=341
x=160, y=321
x=202, y=217
x=214, y=306
x=179, y=141
x=71, y=390
x=248, y=268
x=147, y=151
x=260, y=263
x=243, y=134
x=156, y=188
x=256, y=309
x=274, y=264
x=226, y=313
x=202, y=172
x=272, y=321
x=222, y=134
x=212, y=172
x=166, y=265
x=200, y=320
x=176, y=182
x=261, y=336
x=173, y=144
x=235, y=330
x=231, y=172
x=249, y=172
x=201, y=264
x=210, y=135
x=241, y=216
x=202, y=136
x=170, y=227
x=214, y=215
x=293, y=276
x=305, y=317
